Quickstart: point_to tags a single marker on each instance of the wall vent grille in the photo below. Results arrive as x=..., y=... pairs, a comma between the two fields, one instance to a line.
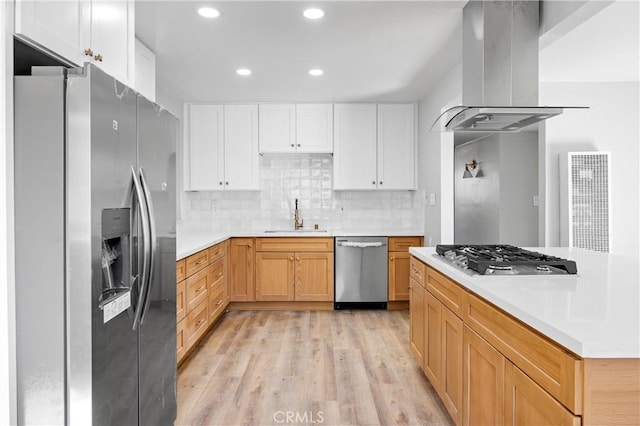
x=589, y=189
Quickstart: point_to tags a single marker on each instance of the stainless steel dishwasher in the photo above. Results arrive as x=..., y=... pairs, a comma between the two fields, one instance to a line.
x=361, y=273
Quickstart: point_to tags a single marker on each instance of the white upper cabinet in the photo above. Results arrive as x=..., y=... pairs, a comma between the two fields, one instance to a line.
x=355, y=152
x=221, y=147
x=396, y=146
x=204, y=136
x=277, y=128
x=101, y=32
x=314, y=128
x=145, y=71
x=241, y=147
x=287, y=128
x=374, y=147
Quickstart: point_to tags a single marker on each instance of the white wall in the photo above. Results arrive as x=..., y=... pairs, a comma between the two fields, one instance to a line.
x=435, y=158
x=611, y=124
x=597, y=64
x=7, y=300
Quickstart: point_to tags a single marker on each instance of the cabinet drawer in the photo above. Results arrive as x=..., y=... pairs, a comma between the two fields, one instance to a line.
x=197, y=322
x=196, y=262
x=403, y=243
x=197, y=289
x=216, y=303
x=216, y=252
x=549, y=365
x=446, y=291
x=181, y=270
x=294, y=244
x=181, y=340
x=181, y=301
x=417, y=271
x=216, y=274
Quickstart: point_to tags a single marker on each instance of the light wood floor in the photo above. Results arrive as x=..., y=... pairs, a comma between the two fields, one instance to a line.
x=320, y=367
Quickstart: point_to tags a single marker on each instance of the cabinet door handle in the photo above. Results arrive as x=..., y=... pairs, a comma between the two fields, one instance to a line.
x=219, y=274
x=220, y=183
x=98, y=57
x=297, y=259
x=391, y=258
x=380, y=182
x=88, y=52
x=298, y=145
x=226, y=183
x=373, y=183
x=292, y=145
x=291, y=259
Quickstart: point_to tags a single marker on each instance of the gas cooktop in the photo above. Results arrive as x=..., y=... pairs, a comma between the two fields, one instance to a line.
x=505, y=260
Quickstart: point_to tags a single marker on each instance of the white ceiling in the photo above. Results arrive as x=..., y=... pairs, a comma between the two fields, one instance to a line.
x=370, y=51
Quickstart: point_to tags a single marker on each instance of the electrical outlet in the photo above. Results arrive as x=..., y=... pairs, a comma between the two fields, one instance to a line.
x=432, y=199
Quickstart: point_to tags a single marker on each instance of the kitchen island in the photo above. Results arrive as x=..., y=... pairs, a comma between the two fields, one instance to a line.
x=524, y=349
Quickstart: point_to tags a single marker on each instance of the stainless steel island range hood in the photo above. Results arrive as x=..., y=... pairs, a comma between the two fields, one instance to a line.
x=499, y=69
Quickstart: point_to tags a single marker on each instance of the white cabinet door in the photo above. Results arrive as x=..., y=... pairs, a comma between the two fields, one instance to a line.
x=55, y=25
x=113, y=38
x=145, y=71
x=205, y=142
x=396, y=146
x=241, y=147
x=68, y=28
x=354, y=159
x=314, y=128
x=277, y=128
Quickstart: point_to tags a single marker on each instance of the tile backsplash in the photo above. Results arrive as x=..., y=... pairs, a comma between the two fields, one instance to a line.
x=307, y=177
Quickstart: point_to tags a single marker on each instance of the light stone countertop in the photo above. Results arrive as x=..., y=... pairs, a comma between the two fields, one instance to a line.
x=190, y=241
x=595, y=314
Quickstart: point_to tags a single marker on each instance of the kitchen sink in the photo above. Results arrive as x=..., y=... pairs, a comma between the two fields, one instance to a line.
x=286, y=231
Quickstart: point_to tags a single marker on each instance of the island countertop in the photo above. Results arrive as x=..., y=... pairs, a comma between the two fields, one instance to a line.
x=595, y=314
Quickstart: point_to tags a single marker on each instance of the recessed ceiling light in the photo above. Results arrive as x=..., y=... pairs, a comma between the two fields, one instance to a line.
x=313, y=13
x=243, y=71
x=208, y=12
x=316, y=72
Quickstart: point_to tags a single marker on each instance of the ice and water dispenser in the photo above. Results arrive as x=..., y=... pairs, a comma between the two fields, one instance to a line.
x=116, y=261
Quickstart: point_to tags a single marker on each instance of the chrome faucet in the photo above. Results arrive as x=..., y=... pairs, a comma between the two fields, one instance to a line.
x=297, y=222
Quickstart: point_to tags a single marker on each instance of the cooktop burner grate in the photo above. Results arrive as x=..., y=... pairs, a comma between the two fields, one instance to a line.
x=481, y=258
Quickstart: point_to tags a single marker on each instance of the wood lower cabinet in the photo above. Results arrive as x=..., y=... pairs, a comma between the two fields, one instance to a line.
x=314, y=277
x=290, y=269
x=201, y=295
x=490, y=369
x=483, y=381
x=398, y=276
x=275, y=275
x=432, y=360
x=399, y=266
x=442, y=357
x=242, y=270
x=451, y=382
x=416, y=320
x=527, y=404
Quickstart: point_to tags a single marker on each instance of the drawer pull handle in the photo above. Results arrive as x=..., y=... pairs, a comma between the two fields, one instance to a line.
x=219, y=302
x=201, y=288
x=219, y=274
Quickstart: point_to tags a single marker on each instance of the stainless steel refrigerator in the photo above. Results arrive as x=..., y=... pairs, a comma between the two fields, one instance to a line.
x=95, y=251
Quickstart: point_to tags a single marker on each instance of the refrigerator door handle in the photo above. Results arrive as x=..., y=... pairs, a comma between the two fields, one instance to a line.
x=152, y=238
x=146, y=243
